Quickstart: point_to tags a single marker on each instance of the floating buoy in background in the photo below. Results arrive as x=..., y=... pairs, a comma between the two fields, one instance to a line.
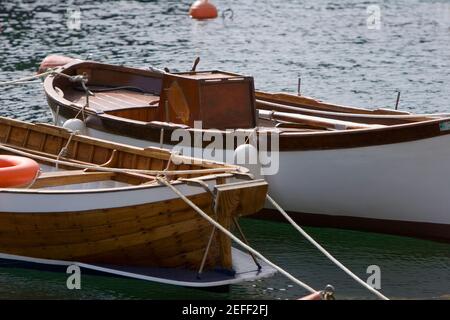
x=17, y=171
x=54, y=61
x=203, y=9
x=75, y=125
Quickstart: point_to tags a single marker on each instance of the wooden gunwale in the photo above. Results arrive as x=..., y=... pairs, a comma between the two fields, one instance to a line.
x=44, y=131
x=288, y=140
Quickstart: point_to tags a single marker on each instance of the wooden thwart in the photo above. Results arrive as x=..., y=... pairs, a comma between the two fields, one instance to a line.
x=61, y=178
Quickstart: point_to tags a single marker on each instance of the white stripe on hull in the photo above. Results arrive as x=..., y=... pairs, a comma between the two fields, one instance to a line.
x=68, y=201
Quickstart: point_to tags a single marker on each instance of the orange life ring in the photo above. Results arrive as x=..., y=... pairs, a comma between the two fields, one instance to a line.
x=17, y=171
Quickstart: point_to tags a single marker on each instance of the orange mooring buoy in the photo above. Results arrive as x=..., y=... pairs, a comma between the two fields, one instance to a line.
x=203, y=9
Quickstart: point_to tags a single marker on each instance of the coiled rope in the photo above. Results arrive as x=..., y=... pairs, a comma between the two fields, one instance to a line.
x=325, y=252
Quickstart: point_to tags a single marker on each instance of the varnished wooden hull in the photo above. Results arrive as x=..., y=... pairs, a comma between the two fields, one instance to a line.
x=114, y=217
x=133, y=226
x=164, y=234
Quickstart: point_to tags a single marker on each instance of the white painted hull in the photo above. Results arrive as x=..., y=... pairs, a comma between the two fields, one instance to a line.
x=48, y=201
x=404, y=182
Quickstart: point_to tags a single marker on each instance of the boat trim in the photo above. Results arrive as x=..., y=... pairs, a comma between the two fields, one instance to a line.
x=240, y=276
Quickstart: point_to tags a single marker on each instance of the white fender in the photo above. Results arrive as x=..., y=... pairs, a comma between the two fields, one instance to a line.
x=75, y=125
x=246, y=155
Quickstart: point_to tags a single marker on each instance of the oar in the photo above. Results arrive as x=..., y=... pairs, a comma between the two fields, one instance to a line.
x=314, y=121
x=356, y=117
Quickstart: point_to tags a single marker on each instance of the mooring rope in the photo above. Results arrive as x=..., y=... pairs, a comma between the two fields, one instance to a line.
x=234, y=238
x=34, y=179
x=27, y=79
x=325, y=252
x=64, y=150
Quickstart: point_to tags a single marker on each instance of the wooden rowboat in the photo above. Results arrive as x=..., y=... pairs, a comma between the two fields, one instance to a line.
x=100, y=204
x=340, y=170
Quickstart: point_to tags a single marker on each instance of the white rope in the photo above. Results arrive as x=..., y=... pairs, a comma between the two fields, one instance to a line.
x=325, y=252
x=34, y=179
x=235, y=239
x=86, y=104
x=64, y=150
x=26, y=79
x=27, y=82
x=118, y=170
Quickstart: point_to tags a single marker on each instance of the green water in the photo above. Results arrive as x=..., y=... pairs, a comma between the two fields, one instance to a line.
x=410, y=269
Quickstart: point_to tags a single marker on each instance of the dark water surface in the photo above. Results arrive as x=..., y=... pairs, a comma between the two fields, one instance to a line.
x=339, y=59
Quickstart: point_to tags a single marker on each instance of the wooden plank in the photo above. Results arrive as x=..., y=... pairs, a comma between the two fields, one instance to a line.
x=76, y=250
x=8, y=133
x=25, y=140
x=43, y=141
x=89, y=219
x=229, y=203
x=253, y=192
x=61, y=178
x=79, y=233
x=315, y=121
x=113, y=100
x=171, y=234
x=225, y=205
x=35, y=140
x=304, y=101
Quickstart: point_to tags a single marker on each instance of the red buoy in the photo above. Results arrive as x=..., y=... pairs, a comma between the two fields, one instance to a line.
x=54, y=61
x=203, y=9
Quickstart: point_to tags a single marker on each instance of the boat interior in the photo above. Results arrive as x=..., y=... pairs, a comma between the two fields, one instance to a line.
x=221, y=100
x=44, y=143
